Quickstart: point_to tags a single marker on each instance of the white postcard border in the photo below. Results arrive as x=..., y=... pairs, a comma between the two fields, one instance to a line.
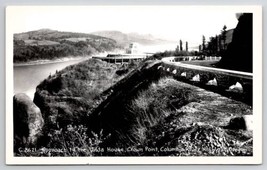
x=257, y=109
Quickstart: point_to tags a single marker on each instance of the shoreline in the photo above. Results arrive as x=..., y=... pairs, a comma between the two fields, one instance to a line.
x=40, y=62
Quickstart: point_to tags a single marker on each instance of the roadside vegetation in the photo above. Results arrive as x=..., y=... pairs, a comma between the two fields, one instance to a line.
x=172, y=53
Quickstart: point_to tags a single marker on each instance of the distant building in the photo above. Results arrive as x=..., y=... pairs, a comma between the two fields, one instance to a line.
x=132, y=49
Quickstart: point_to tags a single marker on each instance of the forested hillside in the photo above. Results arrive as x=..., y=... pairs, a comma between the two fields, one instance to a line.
x=50, y=44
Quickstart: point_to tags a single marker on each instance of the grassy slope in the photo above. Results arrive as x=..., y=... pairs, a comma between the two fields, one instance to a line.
x=177, y=119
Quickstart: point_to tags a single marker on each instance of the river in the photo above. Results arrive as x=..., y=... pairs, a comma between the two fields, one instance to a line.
x=27, y=77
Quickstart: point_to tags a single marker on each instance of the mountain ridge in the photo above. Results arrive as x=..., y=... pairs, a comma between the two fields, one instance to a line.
x=47, y=33
x=126, y=38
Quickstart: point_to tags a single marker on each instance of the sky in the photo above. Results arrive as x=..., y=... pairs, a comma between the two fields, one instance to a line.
x=187, y=23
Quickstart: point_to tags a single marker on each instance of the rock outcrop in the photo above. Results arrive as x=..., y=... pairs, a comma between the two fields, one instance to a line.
x=69, y=96
x=28, y=121
x=238, y=56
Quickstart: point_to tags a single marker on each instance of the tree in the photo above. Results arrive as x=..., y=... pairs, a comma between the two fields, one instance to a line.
x=212, y=46
x=203, y=44
x=177, y=49
x=181, y=45
x=223, y=33
x=186, y=46
x=217, y=44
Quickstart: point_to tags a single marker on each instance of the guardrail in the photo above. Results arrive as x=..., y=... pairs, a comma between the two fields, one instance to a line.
x=233, y=84
x=189, y=58
x=212, y=58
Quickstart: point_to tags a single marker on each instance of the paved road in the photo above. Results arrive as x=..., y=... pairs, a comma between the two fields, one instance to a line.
x=239, y=74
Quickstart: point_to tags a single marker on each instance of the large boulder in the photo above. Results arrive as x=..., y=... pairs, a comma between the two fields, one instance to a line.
x=244, y=123
x=28, y=121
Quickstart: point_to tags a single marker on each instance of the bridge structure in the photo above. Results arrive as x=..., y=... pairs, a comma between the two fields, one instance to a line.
x=233, y=84
x=122, y=58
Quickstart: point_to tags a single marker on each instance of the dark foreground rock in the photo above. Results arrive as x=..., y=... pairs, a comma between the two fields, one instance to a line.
x=245, y=123
x=239, y=53
x=28, y=121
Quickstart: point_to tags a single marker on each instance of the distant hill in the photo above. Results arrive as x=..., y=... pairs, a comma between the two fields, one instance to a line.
x=48, y=34
x=52, y=44
x=124, y=39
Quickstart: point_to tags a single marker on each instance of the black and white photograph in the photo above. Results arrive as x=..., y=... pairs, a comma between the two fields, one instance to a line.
x=133, y=84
